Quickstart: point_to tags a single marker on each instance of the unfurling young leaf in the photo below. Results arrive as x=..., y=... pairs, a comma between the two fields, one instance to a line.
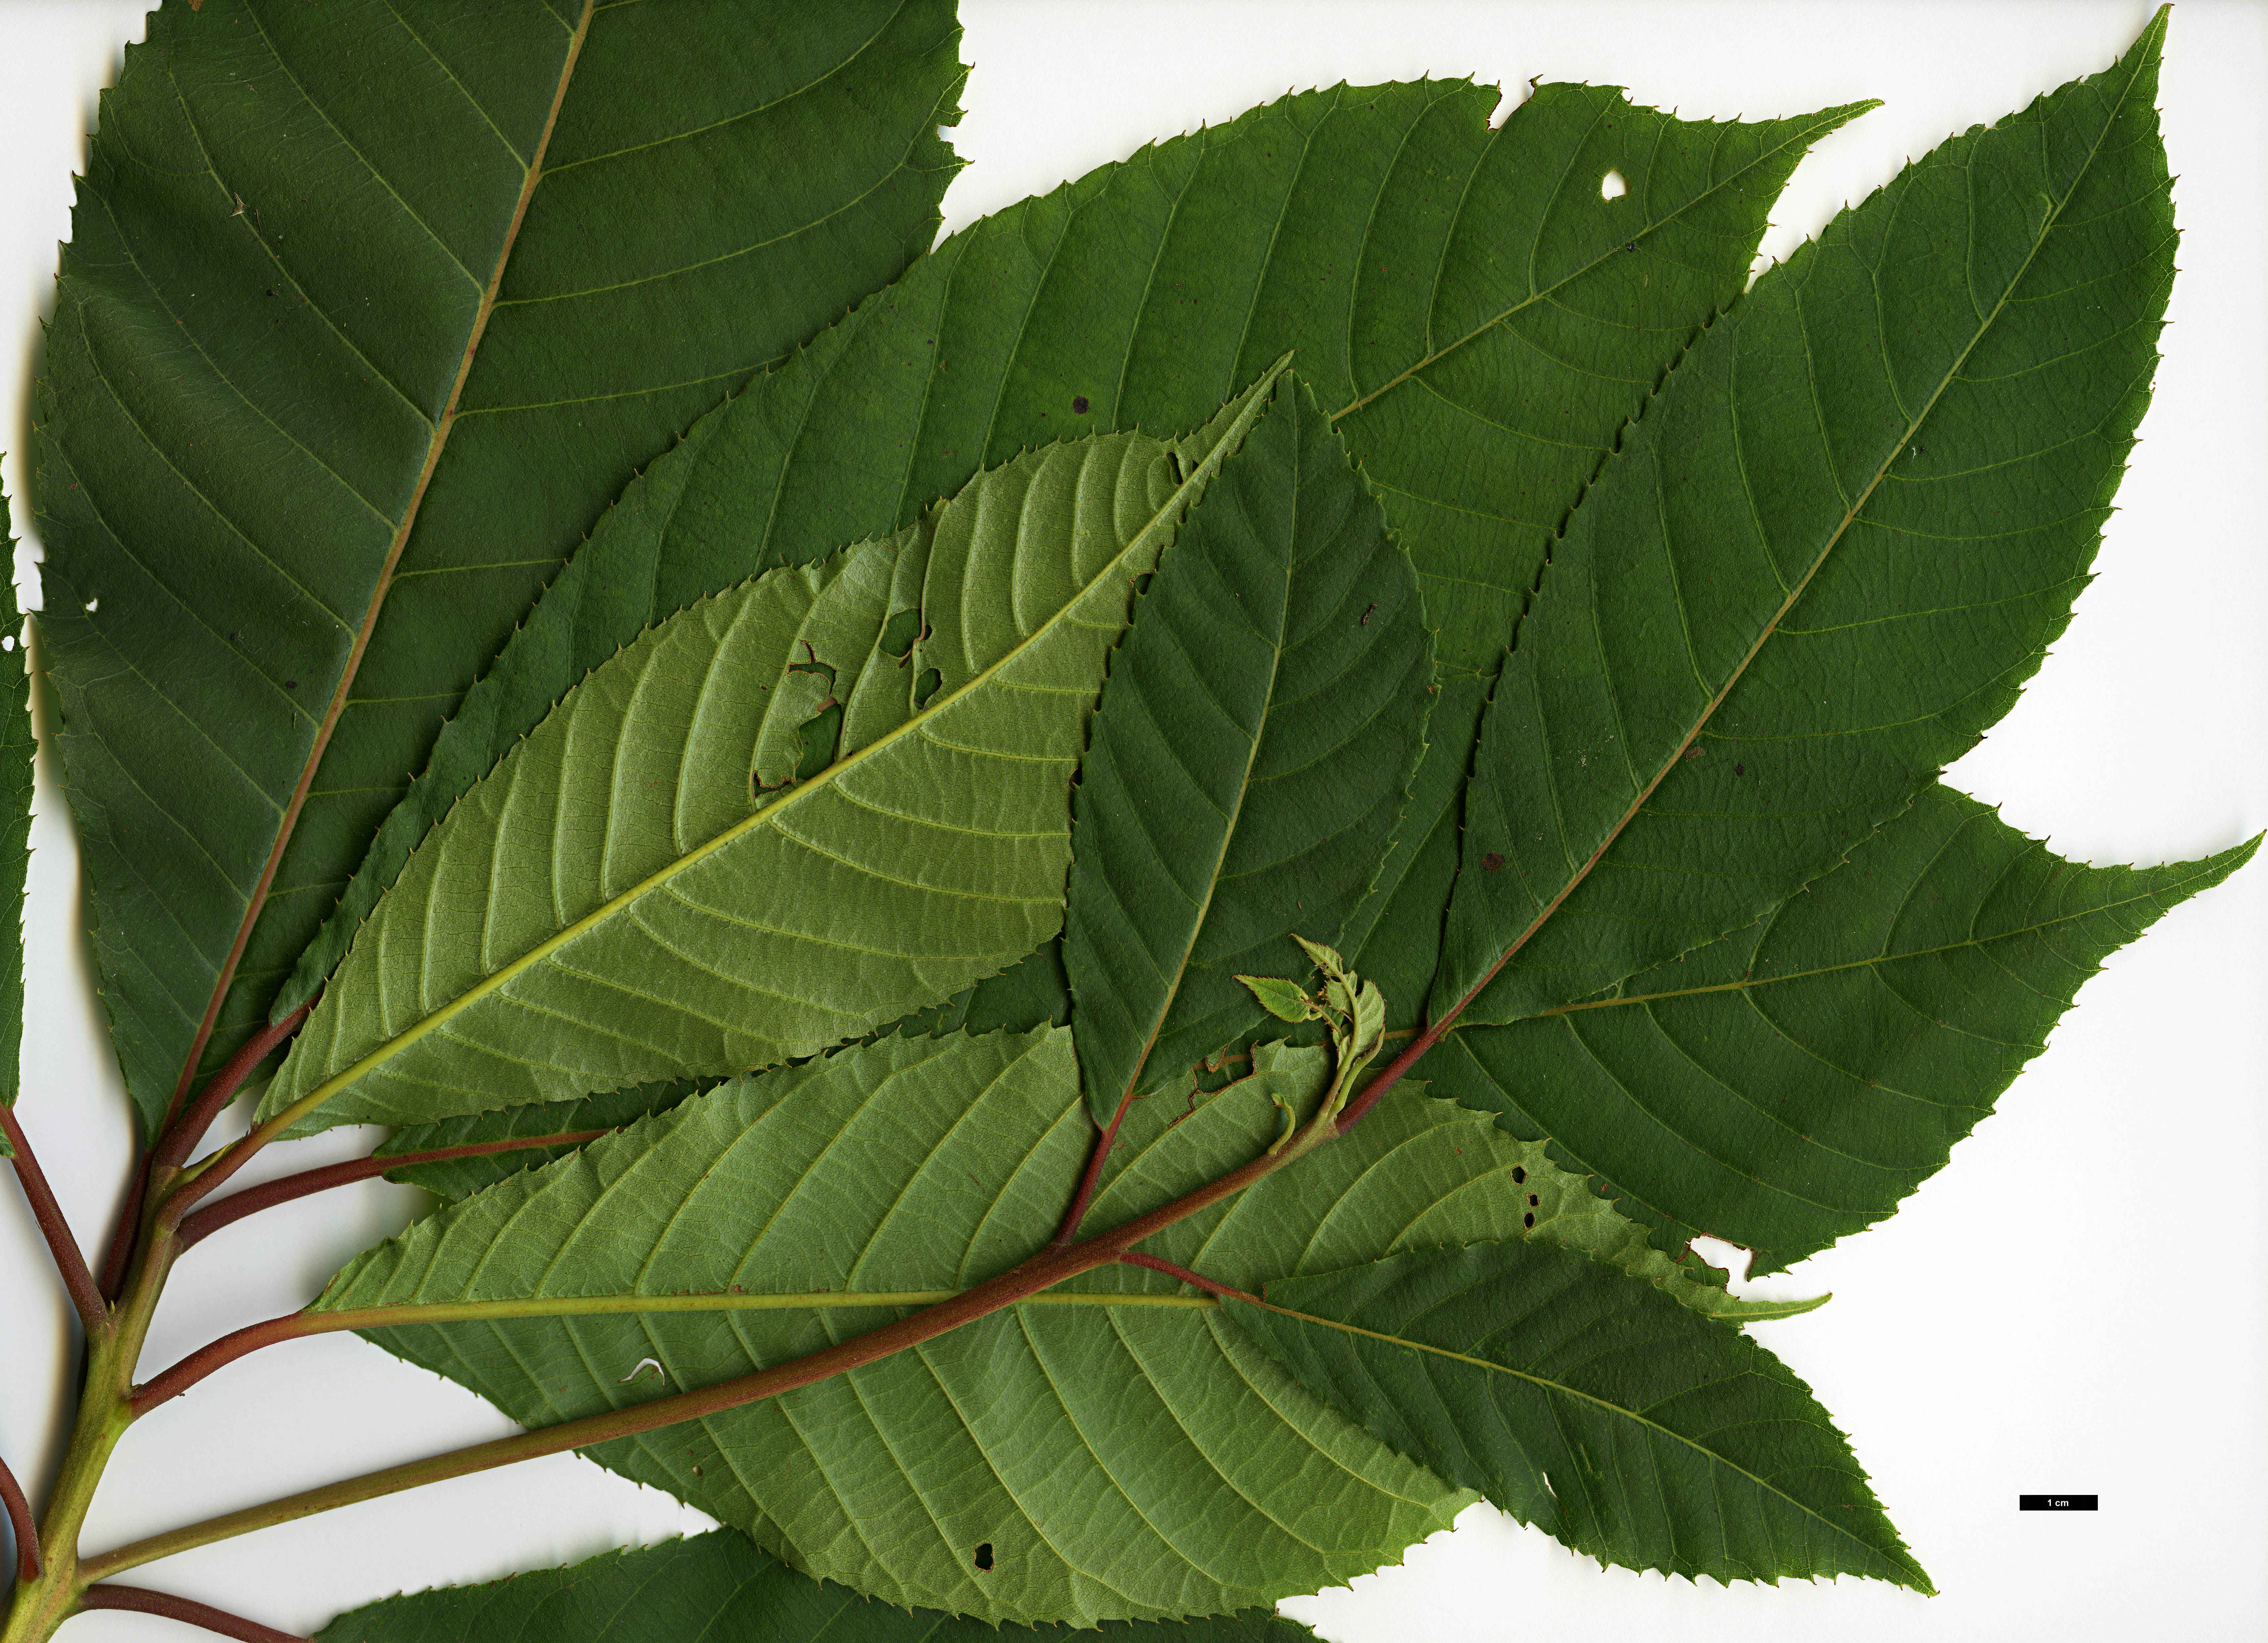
x=1285, y=1000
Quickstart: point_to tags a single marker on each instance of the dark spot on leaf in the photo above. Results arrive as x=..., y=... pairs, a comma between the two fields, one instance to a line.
x=984, y=1558
x=290, y=684
x=1630, y=245
x=1079, y=404
x=925, y=686
x=1518, y=1176
x=271, y=290
x=1533, y=1200
x=1528, y=1220
x=1695, y=751
x=1740, y=770
x=1493, y=862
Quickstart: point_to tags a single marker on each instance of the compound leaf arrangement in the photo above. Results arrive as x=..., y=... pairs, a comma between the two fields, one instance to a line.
x=1108, y=897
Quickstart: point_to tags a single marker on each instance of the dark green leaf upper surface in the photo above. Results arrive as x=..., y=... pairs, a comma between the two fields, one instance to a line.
x=1589, y=1405
x=1476, y=319
x=718, y=1587
x=658, y=884
x=1790, y=1084
x=17, y=748
x=1826, y=558
x=1248, y=761
x=367, y=311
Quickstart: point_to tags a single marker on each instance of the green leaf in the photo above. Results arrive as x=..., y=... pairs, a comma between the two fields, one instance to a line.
x=1122, y=1452
x=1415, y=1172
x=1123, y=1455
x=17, y=749
x=1788, y=1084
x=643, y=890
x=1476, y=317
x=1590, y=1406
x=718, y=1586
x=1285, y=1000
x=1826, y=558
x=1248, y=761
x=366, y=314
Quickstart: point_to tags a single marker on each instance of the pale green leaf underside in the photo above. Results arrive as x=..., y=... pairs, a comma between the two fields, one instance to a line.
x=715, y=1588
x=1122, y=1461
x=628, y=897
x=1125, y=1452
x=1589, y=1406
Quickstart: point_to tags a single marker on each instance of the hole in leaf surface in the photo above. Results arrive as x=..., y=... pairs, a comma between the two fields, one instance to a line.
x=1518, y=1176
x=820, y=734
x=1533, y=1199
x=984, y=1557
x=925, y=686
x=1611, y=187
x=1528, y=1220
x=899, y=632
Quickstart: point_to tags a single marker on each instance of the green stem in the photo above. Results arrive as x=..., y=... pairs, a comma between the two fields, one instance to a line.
x=42, y=1605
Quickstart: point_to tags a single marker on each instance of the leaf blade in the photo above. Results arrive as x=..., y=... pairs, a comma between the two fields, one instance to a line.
x=1735, y=670
x=642, y=892
x=714, y=1585
x=257, y=441
x=1590, y=1406
x=1862, y=1029
x=853, y=435
x=1248, y=759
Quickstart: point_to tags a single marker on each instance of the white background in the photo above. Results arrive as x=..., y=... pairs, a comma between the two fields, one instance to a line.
x=2077, y=1304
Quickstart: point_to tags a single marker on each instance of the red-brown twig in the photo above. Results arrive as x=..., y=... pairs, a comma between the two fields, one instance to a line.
x=141, y=1601
x=20, y=1520
x=71, y=1264
x=181, y=1136
x=179, y=1141
x=1093, y=1178
x=1196, y=1280
x=202, y=1223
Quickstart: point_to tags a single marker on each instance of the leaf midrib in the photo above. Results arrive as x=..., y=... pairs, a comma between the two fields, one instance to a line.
x=1548, y=1385
x=257, y=903
x=1795, y=595
x=1750, y=982
x=1277, y=647
x=1200, y=474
